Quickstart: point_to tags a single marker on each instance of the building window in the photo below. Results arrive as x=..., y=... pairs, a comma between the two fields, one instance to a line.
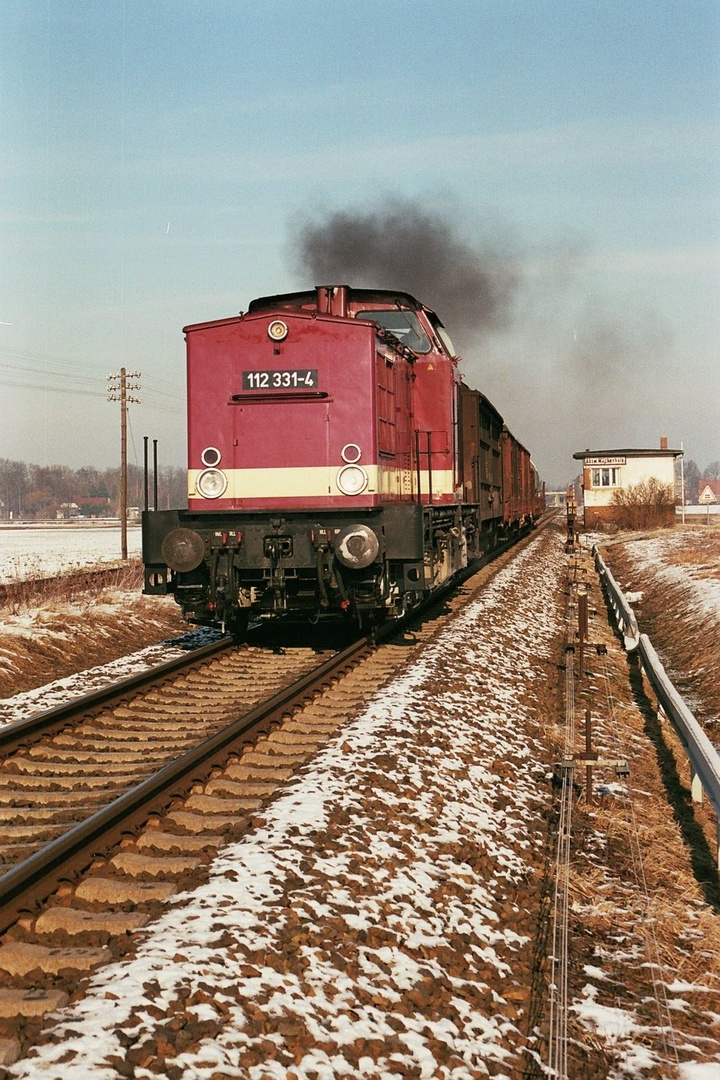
x=606, y=478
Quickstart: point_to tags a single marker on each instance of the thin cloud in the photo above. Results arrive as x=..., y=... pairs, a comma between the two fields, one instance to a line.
x=613, y=145
x=668, y=261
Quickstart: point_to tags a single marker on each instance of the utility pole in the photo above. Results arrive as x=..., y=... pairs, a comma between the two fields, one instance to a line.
x=118, y=387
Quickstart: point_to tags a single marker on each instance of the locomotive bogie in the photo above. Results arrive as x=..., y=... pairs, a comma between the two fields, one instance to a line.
x=285, y=564
x=302, y=565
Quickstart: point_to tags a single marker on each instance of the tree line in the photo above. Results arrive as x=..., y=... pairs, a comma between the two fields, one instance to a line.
x=43, y=492
x=39, y=492
x=695, y=480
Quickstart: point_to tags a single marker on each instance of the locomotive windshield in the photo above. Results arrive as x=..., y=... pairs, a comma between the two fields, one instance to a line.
x=404, y=324
x=443, y=335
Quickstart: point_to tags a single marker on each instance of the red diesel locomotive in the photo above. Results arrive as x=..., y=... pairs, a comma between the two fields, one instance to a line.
x=337, y=463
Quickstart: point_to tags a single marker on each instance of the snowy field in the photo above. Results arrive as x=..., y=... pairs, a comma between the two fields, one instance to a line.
x=29, y=552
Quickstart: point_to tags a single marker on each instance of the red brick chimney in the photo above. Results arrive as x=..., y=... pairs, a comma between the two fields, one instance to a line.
x=663, y=442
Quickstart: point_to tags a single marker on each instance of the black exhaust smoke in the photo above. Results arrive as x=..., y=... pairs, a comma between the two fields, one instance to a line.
x=409, y=246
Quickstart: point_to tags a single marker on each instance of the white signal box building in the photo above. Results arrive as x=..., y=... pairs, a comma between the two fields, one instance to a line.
x=607, y=471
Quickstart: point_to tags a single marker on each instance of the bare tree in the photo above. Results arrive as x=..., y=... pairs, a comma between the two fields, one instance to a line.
x=647, y=505
x=37, y=491
x=692, y=481
x=14, y=484
x=172, y=488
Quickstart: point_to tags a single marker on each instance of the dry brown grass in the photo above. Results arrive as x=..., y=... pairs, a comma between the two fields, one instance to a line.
x=50, y=630
x=684, y=635
x=644, y=884
x=18, y=596
x=698, y=550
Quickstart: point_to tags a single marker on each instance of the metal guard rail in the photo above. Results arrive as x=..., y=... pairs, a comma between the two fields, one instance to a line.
x=704, y=759
x=624, y=614
x=703, y=756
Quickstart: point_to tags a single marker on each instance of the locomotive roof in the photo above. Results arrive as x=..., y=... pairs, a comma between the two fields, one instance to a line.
x=358, y=296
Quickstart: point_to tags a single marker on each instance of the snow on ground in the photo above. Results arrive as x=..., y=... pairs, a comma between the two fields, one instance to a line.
x=37, y=552
x=662, y=557
x=678, y=576
x=59, y=629
x=356, y=930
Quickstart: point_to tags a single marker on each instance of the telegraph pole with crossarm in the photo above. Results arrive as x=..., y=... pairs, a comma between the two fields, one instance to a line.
x=118, y=387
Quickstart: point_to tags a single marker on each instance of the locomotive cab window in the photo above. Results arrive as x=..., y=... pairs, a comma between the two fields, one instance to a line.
x=404, y=324
x=443, y=335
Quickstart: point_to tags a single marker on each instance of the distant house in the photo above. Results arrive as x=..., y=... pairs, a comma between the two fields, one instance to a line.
x=93, y=505
x=714, y=486
x=607, y=471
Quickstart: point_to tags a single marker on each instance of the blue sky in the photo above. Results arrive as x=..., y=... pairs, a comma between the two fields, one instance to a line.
x=158, y=158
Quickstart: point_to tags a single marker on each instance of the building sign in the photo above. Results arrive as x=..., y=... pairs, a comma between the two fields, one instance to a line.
x=605, y=461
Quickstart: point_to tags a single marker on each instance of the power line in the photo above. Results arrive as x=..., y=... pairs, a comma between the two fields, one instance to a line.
x=51, y=389
x=55, y=371
x=166, y=403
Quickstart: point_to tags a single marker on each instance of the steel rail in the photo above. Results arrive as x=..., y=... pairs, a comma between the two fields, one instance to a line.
x=20, y=731
x=33, y=880
x=26, y=885
x=39, y=723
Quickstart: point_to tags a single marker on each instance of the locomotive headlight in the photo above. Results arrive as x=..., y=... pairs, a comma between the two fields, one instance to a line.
x=352, y=480
x=356, y=546
x=210, y=456
x=212, y=483
x=183, y=550
x=277, y=330
x=351, y=453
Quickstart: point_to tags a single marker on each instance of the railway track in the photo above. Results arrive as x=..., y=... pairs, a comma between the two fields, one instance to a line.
x=61, y=766
x=252, y=721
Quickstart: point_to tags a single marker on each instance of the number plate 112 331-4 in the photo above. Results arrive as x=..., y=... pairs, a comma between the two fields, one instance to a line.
x=300, y=379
